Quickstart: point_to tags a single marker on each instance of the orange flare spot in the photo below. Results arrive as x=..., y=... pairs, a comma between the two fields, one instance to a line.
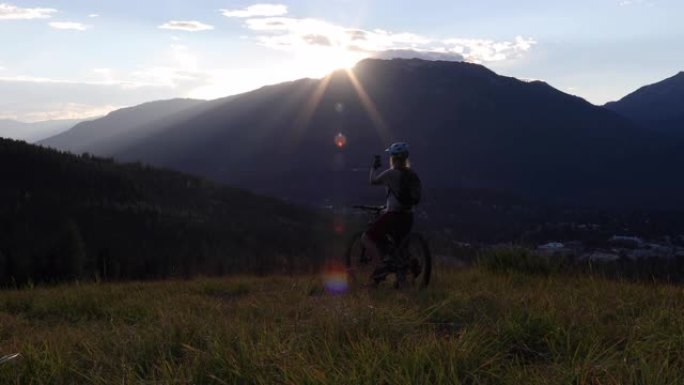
x=340, y=140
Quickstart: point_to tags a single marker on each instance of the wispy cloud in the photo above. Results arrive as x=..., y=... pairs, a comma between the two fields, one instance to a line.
x=190, y=26
x=29, y=98
x=176, y=72
x=483, y=50
x=624, y=3
x=257, y=10
x=32, y=97
x=288, y=33
x=60, y=111
x=47, y=80
x=12, y=12
x=93, y=15
x=180, y=64
x=37, y=99
x=69, y=25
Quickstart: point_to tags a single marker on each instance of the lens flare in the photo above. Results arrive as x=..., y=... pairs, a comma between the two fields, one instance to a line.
x=335, y=279
x=340, y=140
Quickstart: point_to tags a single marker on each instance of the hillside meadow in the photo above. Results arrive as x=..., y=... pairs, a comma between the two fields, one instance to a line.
x=472, y=326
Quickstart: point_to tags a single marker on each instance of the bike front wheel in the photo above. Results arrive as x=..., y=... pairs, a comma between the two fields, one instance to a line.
x=416, y=259
x=358, y=262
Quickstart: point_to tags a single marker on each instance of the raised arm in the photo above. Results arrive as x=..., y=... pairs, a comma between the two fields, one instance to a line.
x=376, y=179
x=373, y=177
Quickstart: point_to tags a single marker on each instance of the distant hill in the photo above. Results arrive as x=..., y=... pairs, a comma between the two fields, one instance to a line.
x=468, y=128
x=33, y=132
x=64, y=216
x=122, y=127
x=658, y=106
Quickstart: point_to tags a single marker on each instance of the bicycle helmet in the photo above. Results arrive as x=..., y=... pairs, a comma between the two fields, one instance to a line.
x=399, y=149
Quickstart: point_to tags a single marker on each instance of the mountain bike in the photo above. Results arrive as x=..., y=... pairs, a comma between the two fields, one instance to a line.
x=409, y=260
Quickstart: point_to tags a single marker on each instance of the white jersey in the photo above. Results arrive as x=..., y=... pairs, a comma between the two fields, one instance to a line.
x=391, y=178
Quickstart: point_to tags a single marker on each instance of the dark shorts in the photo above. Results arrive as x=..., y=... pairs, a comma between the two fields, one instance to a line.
x=393, y=223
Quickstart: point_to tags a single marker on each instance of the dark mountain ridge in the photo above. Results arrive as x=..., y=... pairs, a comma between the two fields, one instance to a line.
x=659, y=106
x=120, y=127
x=468, y=128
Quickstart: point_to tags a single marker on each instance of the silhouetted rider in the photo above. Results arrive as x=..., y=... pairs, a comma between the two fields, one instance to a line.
x=397, y=219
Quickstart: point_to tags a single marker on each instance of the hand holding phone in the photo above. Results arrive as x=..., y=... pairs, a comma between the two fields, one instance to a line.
x=376, y=162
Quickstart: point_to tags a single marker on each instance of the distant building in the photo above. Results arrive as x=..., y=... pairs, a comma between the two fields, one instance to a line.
x=556, y=249
x=551, y=246
x=626, y=241
x=574, y=245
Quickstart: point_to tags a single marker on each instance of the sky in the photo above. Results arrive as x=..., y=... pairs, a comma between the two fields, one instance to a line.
x=67, y=59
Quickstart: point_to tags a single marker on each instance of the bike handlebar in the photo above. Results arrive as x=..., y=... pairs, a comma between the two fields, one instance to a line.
x=369, y=208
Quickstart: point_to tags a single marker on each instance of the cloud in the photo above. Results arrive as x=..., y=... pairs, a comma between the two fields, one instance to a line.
x=12, y=12
x=482, y=50
x=293, y=34
x=317, y=40
x=357, y=34
x=190, y=26
x=60, y=111
x=180, y=67
x=31, y=79
x=27, y=97
x=34, y=99
x=257, y=10
x=70, y=25
x=414, y=54
x=93, y=15
x=288, y=32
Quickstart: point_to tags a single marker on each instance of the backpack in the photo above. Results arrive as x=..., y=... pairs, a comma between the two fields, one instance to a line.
x=410, y=188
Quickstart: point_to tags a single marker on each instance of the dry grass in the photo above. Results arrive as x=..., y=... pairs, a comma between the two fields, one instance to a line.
x=469, y=327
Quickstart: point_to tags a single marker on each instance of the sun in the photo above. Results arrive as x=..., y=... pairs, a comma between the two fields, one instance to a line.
x=318, y=62
x=307, y=62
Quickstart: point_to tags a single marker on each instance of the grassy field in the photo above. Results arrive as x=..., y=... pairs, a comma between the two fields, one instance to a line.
x=469, y=327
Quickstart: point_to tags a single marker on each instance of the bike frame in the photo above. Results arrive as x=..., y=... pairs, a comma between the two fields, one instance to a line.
x=398, y=262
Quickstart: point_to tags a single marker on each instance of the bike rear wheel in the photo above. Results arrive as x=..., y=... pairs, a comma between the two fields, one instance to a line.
x=416, y=260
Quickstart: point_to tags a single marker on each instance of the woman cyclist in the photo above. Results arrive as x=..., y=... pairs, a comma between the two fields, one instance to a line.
x=397, y=219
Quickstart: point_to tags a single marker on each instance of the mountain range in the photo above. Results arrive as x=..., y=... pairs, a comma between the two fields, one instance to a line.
x=33, y=132
x=121, y=127
x=312, y=140
x=658, y=106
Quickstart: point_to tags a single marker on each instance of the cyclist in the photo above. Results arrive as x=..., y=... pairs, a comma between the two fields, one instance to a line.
x=397, y=219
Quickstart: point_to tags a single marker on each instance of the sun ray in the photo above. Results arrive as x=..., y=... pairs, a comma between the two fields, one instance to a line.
x=304, y=118
x=370, y=107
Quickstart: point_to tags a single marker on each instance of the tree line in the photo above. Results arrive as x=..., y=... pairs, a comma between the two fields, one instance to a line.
x=65, y=217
